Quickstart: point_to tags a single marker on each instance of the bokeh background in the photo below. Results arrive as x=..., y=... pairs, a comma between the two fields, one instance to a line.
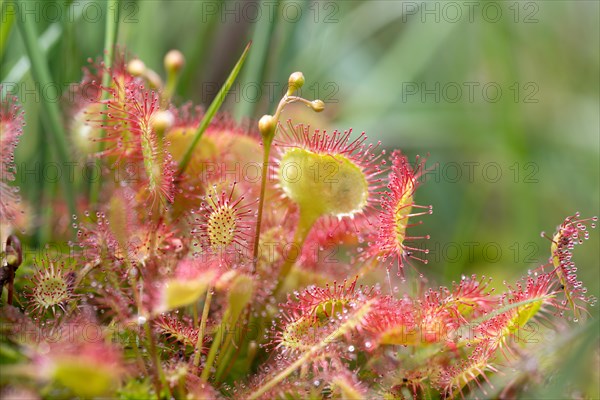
x=503, y=96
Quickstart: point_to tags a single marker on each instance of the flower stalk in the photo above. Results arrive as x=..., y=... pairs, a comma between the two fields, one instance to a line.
x=267, y=125
x=202, y=331
x=41, y=73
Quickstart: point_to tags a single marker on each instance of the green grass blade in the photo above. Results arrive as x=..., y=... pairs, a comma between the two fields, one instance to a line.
x=41, y=74
x=7, y=22
x=198, y=50
x=262, y=37
x=47, y=40
x=212, y=109
x=110, y=35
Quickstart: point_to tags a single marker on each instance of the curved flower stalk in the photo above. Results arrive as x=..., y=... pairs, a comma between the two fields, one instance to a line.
x=268, y=125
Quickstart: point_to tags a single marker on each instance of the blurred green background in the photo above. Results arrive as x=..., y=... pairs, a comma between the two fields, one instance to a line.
x=504, y=96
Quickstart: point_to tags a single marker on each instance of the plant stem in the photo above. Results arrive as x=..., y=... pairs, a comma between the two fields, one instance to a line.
x=200, y=341
x=155, y=378
x=228, y=362
x=41, y=74
x=159, y=378
x=138, y=357
x=8, y=18
x=110, y=35
x=169, y=89
x=214, y=347
x=305, y=223
x=224, y=353
x=195, y=314
x=267, y=142
x=225, y=331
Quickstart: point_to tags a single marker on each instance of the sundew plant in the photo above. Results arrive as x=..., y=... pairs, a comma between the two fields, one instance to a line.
x=183, y=249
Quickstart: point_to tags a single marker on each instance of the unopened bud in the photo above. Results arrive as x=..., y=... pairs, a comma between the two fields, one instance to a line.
x=252, y=349
x=174, y=61
x=136, y=67
x=266, y=124
x=14, y=252
x=162, y=121
x=12, y=259
x=317, y=105
x=295, y=82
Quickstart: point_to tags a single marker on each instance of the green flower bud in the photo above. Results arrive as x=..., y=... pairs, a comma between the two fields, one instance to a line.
x=174, y=61
x=162, y=121
x=295, y=82
x=266, y=124
x=317, y=105
x=136, y=67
